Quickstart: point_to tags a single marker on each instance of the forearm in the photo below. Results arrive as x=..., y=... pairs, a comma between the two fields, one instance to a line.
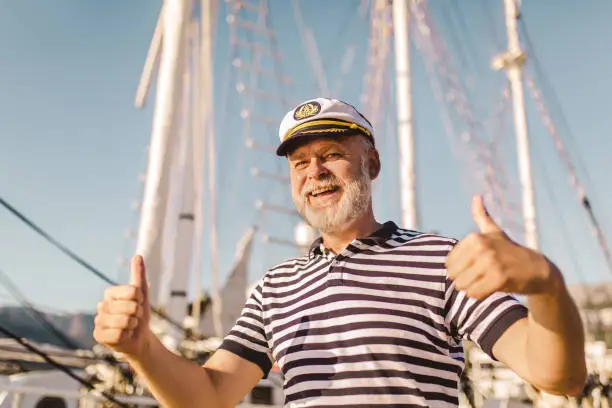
x=555, y=340
x=174, y=381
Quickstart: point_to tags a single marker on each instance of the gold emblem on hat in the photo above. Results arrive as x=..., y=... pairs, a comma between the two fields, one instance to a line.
x=306, y=110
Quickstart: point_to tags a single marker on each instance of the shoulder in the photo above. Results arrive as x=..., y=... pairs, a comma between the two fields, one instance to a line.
x=411, y=241
x=422, y=253
x=289, y=265
x=286, y=270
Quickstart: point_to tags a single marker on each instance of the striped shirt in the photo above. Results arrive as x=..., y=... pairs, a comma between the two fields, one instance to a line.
x=379, y=324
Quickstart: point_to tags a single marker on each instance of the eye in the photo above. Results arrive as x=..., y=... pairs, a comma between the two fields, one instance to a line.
x=333, y=155
x=300, y=164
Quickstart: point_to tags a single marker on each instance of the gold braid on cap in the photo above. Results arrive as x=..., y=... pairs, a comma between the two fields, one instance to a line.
x=344, y=125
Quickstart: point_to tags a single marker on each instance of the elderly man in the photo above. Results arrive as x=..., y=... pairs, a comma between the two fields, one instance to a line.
x=373, y=314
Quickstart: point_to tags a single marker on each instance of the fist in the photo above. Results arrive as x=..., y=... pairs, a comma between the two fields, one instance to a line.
x=122, y=319
x=489, y=261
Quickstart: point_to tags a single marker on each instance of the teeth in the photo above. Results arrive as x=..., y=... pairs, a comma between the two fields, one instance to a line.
x=322, y=190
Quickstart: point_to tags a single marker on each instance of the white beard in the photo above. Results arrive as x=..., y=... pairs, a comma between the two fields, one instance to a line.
x=356, y=196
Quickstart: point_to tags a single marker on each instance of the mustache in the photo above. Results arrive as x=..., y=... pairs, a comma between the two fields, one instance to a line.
x=331, y=182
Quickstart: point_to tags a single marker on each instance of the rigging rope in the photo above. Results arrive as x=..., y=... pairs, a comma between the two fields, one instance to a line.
x=45, y=323
x=87, y=384
x=582, y=196
x=548, y=88
x=449, y=92
x=552, y=130
x=309, y=46
x=489, y=18
x=459, y=37
x=82, y=262
x=266, y=19
x=36, y=314
x=278, y=68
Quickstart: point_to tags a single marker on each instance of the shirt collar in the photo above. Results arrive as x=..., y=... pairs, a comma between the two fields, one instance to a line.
x=380, y=235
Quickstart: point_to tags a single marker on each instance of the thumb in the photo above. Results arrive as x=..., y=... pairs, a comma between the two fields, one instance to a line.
x=138, y=276
x=481, y=216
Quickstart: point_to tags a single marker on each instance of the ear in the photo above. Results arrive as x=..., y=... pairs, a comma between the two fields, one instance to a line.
x=374, y=161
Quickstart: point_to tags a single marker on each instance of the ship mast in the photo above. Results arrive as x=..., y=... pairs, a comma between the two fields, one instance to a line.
x=207, y=111
x=513, y=61
x=182, y=132
x=405, y=129
x=162, y=147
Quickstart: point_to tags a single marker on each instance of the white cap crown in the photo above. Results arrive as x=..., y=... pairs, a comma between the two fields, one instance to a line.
x=322, y=116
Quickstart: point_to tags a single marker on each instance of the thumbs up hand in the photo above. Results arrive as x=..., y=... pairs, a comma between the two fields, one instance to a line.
x=122, y=319
x=489, y=261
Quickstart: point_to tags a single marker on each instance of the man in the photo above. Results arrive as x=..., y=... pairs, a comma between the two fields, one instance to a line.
x=373, y=315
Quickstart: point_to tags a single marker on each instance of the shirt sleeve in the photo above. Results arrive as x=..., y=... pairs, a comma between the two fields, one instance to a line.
x=247, y=338
x=482, y=322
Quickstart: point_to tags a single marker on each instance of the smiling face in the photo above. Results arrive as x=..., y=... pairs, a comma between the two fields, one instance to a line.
x=331, y=180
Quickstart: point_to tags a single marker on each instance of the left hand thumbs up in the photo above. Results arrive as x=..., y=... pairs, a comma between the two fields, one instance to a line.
x=489, y=261
x=481, y=216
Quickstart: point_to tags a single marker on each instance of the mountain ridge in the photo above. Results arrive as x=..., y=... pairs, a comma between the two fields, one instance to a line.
x=77, y=327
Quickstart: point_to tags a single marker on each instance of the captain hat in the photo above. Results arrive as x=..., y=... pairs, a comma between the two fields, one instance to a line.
x=321, y=117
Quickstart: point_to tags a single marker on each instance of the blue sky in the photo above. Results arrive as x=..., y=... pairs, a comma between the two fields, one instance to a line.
x=72, y=145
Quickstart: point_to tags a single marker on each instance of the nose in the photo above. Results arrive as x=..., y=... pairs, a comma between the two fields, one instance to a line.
x=316, y=169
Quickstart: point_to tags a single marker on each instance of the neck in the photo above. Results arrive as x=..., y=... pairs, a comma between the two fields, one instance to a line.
x=337, y=240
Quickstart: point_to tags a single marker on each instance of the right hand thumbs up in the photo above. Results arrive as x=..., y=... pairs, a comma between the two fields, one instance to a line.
x=138, y=277
x=122, y=319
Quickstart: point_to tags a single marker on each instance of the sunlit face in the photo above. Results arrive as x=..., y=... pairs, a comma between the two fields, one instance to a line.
x=330, y=181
